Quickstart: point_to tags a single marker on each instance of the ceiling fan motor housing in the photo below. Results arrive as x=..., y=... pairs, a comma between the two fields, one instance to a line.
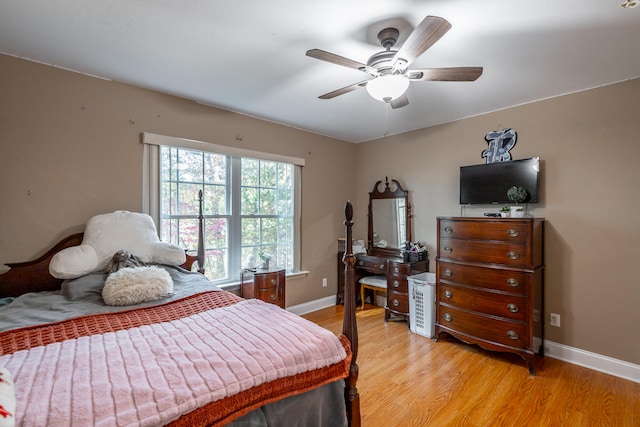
x=382, y=60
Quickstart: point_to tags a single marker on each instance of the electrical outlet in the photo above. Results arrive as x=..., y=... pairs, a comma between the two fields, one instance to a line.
x=324, y=282
x=554, y=319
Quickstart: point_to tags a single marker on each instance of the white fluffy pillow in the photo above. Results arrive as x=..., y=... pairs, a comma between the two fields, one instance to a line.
x=73, y=262
x=106, y=234
x=133, y=285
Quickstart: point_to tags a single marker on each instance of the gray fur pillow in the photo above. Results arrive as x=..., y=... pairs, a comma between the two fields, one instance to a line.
x=133, y=285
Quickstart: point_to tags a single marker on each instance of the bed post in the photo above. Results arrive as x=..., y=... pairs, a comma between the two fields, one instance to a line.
x=349, y=326
x=200, y=256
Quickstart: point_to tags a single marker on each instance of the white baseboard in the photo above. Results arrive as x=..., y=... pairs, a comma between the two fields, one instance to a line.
x=311, y=306
x=597, y=362
x=576, y=356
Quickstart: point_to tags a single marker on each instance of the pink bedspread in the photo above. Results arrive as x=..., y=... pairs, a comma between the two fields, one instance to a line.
x=152, y=374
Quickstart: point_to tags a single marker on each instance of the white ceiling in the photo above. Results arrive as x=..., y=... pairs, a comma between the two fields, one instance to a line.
x=248, y=56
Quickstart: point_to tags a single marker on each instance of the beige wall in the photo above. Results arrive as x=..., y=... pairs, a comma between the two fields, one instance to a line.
x=589, y=144
x=70, y=148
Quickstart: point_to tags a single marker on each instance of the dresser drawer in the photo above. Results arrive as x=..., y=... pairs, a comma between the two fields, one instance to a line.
x=399, y=269
x=398, y=284
x=398, y=302
x=512, y=307
x=502, y=230
x=511, y=334
x=512, y=281
x=491, y=252
x=371, y=263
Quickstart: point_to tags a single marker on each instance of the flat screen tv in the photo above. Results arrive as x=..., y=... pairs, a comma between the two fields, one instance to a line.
x=488, y=183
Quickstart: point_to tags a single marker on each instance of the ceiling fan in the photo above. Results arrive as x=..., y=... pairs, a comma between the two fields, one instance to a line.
x=390, y=67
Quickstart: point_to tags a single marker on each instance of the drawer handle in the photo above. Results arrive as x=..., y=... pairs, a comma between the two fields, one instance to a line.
x=396, y=284
x=273, y=281
x=513, y=282
x=448, y=272
x=447, y=317
x=448, y=229
x=513, y=233
x=395, y=302
x=513, y=308
x=381, y=266
x=272, y=297
x=360, y=262
x=513, y=335
x=448, y=249
x=513, y=255
x=447, y=294
x=396, y=270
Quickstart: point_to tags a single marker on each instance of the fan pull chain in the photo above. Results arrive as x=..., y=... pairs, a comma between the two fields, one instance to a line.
x=386, y=119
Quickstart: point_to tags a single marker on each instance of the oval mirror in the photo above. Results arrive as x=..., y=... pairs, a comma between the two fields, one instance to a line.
x=389, y=226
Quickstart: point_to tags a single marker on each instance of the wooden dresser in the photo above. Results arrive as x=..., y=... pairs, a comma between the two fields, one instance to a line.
x=490, y=283
x=267, y=285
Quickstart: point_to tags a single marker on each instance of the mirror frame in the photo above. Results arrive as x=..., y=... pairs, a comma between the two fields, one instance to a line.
x=387, y=193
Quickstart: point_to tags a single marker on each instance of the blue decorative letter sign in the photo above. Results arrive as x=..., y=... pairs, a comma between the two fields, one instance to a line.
x=500, y=142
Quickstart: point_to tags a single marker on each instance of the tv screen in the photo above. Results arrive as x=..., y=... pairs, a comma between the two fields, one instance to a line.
x=488, y=183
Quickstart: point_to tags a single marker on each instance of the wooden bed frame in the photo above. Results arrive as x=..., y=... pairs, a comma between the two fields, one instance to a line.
x=34, y=276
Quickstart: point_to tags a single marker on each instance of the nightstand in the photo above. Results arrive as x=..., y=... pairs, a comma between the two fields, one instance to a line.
x=265, y=284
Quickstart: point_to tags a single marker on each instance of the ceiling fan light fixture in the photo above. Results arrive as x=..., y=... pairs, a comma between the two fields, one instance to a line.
x=387, y=87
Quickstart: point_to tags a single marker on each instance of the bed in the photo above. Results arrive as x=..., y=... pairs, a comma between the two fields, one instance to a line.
x=197, y=356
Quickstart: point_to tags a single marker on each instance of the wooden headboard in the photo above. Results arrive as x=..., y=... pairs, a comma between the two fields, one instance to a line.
x=34, y=276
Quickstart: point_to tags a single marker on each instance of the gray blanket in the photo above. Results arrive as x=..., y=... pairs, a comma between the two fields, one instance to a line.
x=83, y=296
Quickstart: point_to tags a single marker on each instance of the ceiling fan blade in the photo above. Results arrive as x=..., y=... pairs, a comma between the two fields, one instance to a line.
x=344, y=90
x=453, y=74
x=340, y=60
x=400, y=101
x=429, y=31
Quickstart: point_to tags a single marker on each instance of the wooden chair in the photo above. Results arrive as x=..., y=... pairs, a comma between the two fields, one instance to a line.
x=375, y=284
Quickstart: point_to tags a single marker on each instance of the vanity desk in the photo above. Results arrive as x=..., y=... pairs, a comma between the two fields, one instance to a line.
x=397, y=272
x=388, y=228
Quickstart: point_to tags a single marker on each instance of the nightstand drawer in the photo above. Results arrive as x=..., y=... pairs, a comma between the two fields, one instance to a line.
x=266, y=281
x=268, y=295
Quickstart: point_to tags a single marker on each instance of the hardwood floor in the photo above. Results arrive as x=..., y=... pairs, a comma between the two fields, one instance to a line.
x=409, y=380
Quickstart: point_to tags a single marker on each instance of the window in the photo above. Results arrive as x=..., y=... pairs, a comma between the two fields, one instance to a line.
x=249, y=203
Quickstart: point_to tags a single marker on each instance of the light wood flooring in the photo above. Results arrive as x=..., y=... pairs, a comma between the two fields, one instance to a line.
x=409, y=380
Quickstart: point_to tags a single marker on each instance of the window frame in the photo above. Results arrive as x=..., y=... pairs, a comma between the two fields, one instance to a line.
x=151, y=183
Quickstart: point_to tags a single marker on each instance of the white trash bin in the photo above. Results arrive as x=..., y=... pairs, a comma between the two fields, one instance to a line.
x=422, y=304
